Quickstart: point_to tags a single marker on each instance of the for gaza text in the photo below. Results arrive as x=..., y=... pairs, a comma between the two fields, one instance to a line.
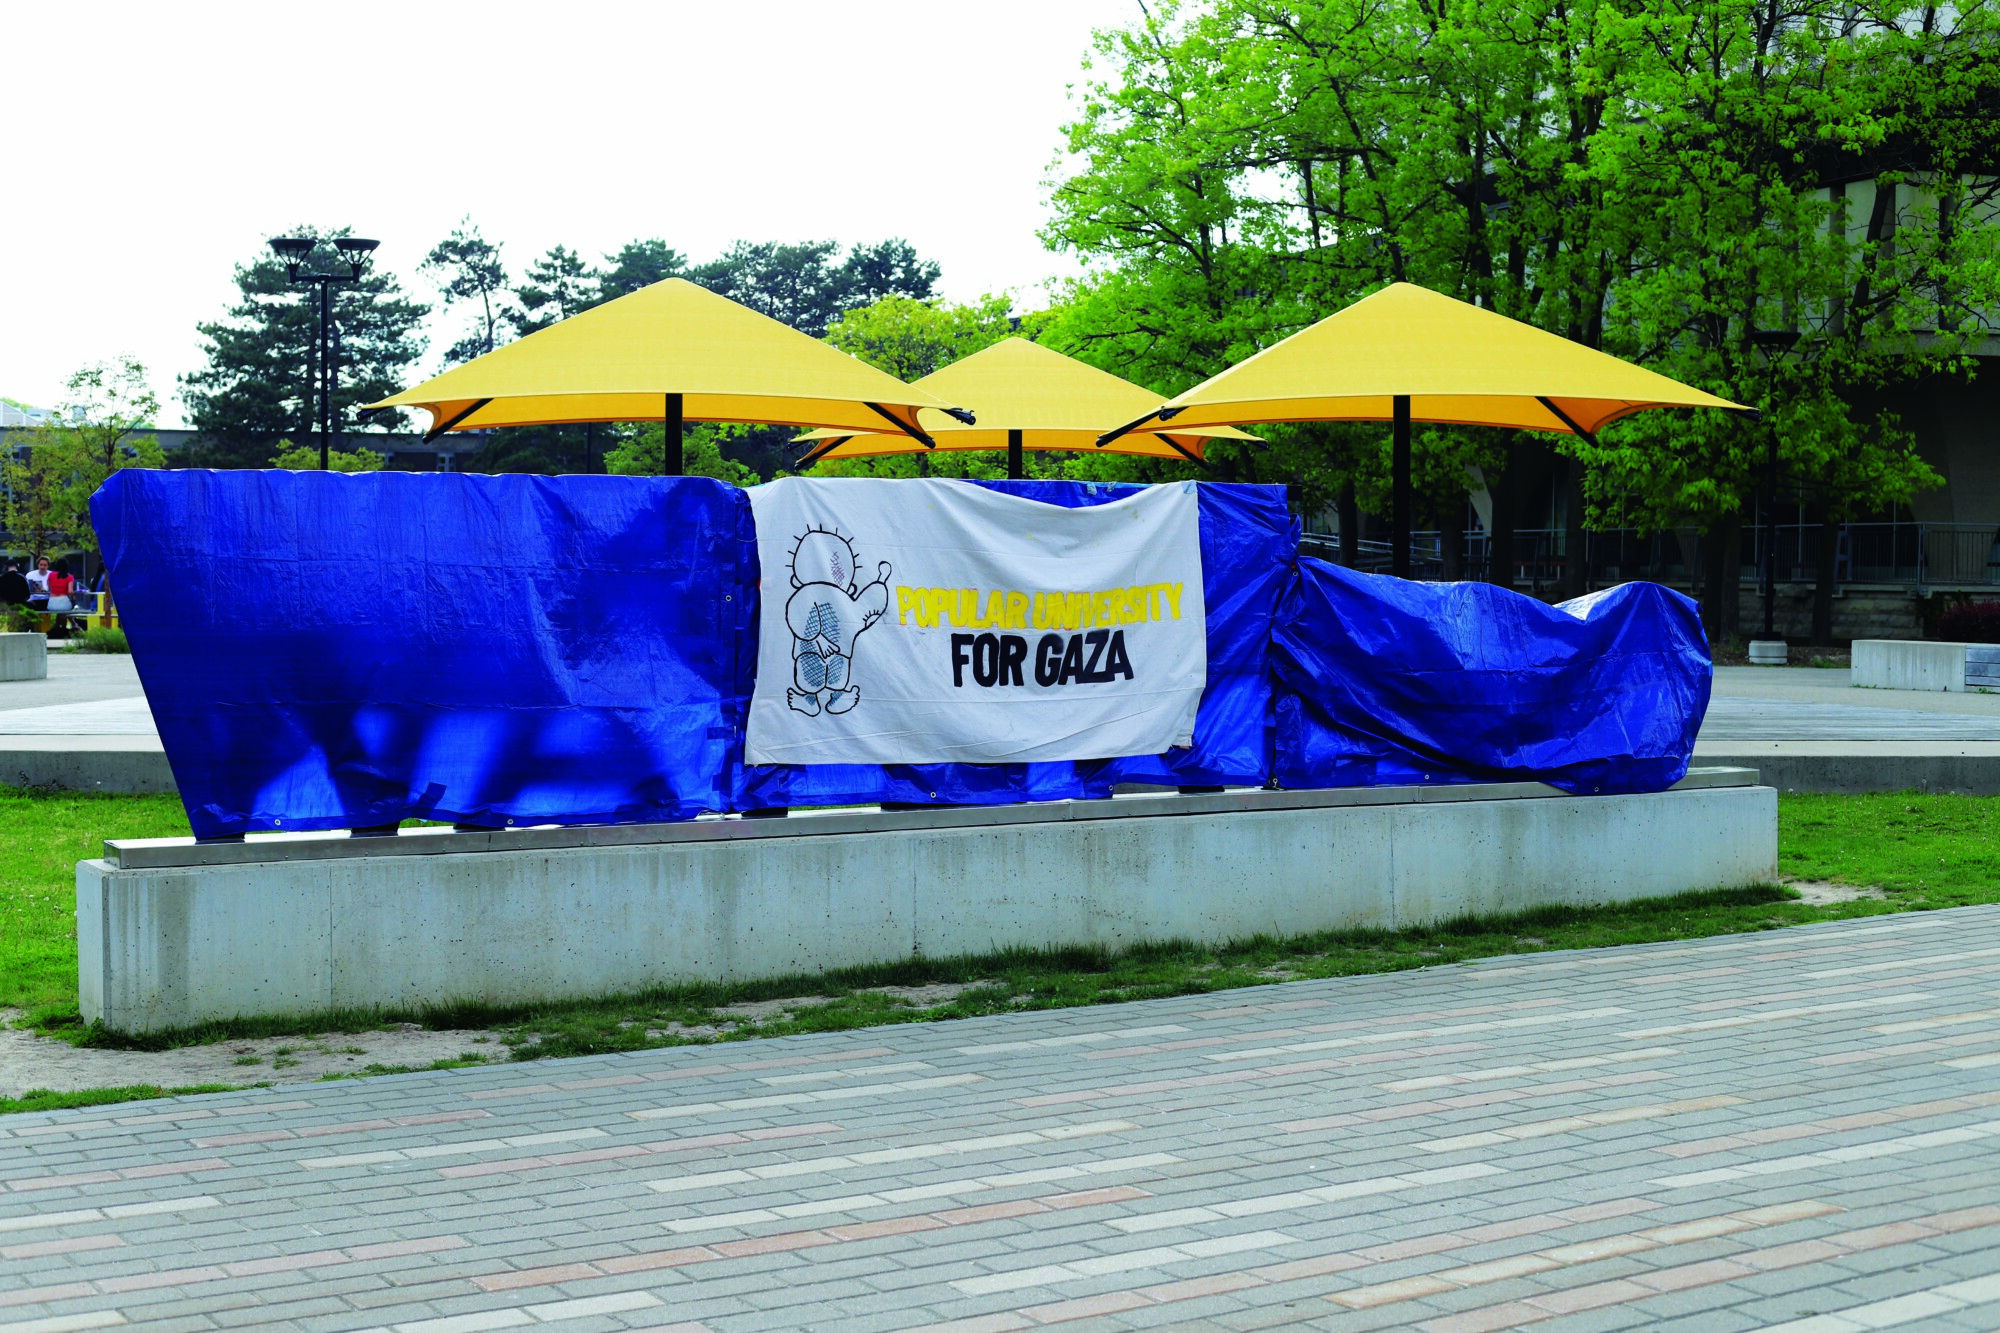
x=1095, y=655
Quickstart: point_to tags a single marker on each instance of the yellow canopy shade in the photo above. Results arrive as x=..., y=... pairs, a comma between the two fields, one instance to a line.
x=1456, y=363
x=625, y=360
x=1016, y=386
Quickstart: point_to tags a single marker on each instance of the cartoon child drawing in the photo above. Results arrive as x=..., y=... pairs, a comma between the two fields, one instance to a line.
x=825, y=615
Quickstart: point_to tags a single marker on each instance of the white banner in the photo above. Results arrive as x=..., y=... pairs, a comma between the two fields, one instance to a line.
x=918, y=622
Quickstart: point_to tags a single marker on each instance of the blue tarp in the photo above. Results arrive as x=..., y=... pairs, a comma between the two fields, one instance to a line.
x=1247, y=542
x=328, y=651
x=1382, y=681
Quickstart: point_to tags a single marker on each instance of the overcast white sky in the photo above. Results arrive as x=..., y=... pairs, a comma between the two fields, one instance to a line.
x=151, y=147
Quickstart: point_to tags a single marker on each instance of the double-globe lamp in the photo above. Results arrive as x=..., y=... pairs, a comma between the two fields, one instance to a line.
x=323, y=374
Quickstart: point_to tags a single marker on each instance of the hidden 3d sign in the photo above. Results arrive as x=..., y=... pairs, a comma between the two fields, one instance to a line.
x=933, y=622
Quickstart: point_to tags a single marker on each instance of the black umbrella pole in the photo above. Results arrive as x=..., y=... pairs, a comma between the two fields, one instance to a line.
x=672, y=461
x=1399, y=491
x=1016, y=469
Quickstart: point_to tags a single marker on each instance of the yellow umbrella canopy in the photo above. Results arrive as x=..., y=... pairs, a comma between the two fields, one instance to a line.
x=1026, y=396
x=1409, y=354
x=668, y=352
x=1455, y=363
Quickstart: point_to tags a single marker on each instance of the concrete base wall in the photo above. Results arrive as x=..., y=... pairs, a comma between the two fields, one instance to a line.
x=1901, y=664
x=417, y=924
x=120, y=764
x=1970, y=768
x=24, y=657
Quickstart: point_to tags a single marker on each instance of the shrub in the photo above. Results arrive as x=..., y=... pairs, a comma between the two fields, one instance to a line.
x=305, y=458
x=1970, y=622
x=100, y=639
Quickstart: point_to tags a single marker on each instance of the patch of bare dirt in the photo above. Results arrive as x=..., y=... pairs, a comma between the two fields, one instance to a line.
x=1821, y=893
x=692, y=1031
x=762, y=1011
x=29, y=1062
x=924, y=997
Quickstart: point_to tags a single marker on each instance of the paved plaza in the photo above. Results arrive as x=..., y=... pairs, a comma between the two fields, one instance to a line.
x=1796, y=1128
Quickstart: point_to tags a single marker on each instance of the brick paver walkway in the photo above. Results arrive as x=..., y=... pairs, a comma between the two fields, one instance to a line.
x=1797, y=1129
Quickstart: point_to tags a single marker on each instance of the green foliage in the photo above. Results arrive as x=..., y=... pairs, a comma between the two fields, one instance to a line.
x=104, y=639
x=545, y=450
x=1652, y=181
x=100, y=429
x=553, y=288
x=911, y=337
x=305, y=458
x=806, y=286
x=468, y=271
x=641, y=453
x=638, y=264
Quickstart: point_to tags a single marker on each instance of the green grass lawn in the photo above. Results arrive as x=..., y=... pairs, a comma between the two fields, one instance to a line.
x=1921, y=851
x=42, y=837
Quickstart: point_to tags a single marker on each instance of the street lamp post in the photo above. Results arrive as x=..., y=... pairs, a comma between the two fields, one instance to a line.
x=323, y=375
x=1775, y=343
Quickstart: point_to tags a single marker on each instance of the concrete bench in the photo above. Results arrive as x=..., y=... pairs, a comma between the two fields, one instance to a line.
x=24, y=657
x=1912, y=664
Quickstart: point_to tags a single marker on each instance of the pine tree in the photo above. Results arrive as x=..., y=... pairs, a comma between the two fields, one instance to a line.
x=256, y=387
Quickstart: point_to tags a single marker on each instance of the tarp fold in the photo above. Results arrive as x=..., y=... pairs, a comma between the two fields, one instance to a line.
x=1382, y=681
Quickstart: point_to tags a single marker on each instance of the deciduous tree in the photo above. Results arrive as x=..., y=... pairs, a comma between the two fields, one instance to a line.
x=101, y=428
x=1672, y=182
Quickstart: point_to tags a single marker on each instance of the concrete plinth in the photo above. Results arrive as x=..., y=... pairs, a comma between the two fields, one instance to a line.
x=1912, y=664
x=171, y=934
x=24, y=657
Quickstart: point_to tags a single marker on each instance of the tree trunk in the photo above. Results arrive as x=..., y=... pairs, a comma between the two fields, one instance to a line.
x=1451, y=539
x=1349, y=514
x=1722, y=579
x=1826, y=584
x=1575, y=566
x=1500, y=541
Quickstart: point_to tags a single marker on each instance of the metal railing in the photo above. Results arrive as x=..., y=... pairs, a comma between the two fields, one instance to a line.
x=1921, y=554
